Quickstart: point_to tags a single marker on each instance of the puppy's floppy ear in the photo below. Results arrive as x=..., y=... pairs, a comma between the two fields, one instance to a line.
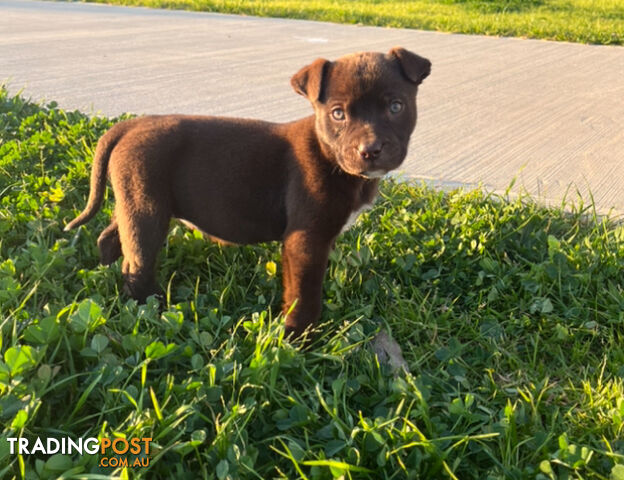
x=309, y=80
x=414, y=67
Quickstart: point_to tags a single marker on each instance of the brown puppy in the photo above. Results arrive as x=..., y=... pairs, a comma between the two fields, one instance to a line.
x=248, y=181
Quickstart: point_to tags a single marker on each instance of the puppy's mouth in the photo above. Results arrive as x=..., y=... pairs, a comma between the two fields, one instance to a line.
x=351, y=162
x=372, y=174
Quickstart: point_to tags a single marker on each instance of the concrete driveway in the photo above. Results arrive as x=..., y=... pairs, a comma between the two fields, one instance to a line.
x=549, y=114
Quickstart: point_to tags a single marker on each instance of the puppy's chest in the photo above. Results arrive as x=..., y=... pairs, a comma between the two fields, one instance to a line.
x=354, y=216
x=365, y=201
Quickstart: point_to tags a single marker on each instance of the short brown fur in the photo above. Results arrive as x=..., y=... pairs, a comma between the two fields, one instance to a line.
x=247, y=181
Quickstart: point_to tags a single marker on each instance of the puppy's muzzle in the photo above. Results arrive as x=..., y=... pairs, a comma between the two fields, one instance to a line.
x=374, y=173
x=370, y=155
x=370, y=151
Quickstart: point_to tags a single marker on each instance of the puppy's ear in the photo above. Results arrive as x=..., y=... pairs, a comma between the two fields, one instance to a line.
x=309, y=80
x=414, y=67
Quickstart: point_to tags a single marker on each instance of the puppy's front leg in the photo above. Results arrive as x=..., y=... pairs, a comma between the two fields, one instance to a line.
x=304, y=261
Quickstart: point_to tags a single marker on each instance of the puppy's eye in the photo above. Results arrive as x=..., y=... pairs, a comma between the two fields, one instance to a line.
x=338, y=114
x=396, y=106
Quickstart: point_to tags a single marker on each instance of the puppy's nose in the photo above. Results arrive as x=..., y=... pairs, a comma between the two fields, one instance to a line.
x=370, y=150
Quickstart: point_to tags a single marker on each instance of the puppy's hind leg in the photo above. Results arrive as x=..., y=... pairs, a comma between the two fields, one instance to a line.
x=142, y=236
x=109, y=244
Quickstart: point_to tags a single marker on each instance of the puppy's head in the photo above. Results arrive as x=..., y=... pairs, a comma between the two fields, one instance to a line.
x=365, y=107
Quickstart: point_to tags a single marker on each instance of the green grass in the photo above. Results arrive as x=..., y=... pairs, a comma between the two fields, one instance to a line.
x=585, y=21
x=510, y=317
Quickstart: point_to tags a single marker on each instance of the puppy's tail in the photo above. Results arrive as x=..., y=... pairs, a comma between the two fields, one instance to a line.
x=98, y=175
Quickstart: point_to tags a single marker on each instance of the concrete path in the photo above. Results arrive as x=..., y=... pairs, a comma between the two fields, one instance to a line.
x=550, y=114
